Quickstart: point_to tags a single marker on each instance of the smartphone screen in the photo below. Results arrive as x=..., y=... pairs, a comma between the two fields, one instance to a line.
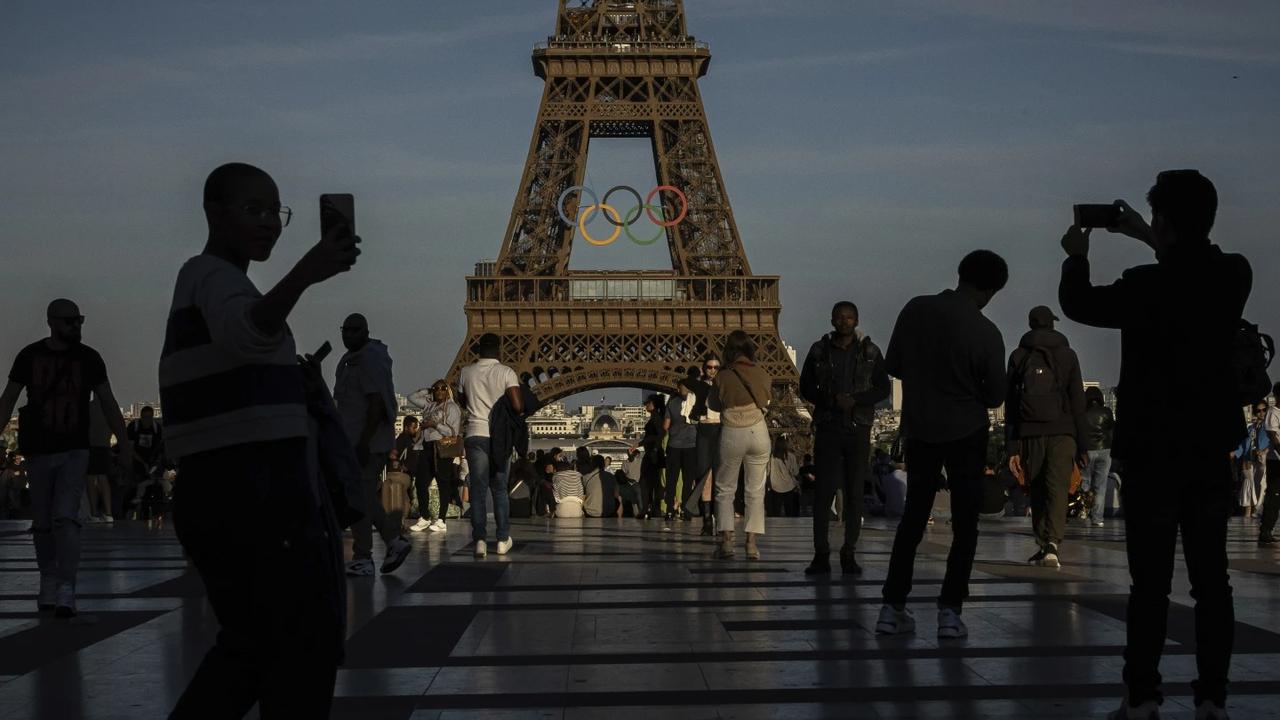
x=1097, y=216
x=337, y=209
x=322, y=353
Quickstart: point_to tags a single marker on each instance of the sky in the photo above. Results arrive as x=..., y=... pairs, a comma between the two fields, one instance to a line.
x=865, y=147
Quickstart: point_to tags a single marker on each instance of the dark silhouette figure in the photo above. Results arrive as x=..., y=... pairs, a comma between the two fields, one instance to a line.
x=1045, y=427
x=249, y=513
x=654, y=458
x=950, y=359
x=59, y=373
x=844, y=378
x=1175, y=445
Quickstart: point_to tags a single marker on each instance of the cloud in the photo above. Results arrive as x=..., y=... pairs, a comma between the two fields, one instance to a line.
x=1227, y=54
x=835, y=59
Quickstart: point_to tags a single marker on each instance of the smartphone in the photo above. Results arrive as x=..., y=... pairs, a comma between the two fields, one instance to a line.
x=1097, y=216
x=337, y=209
x=322, y=353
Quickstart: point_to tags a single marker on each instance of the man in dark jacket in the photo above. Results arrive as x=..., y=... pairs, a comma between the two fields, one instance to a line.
x=1177, y=320
x=1044, y=426
x=844, y=378
x=1100, y=422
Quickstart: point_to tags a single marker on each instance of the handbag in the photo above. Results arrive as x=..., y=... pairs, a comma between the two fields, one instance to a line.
x=449, y=446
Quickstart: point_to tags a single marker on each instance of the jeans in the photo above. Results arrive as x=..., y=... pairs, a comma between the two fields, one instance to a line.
x=843, y=458
x=1271, y=500
x=681, y=462
x=376, y=515
x=1097, y=472
x=650, y=485
x=1187, y=490
x=57, y=483
x=444, y=472
x=747, y=446
x=270, y=557
x=1047, y=462
x=965, y=460
x=481, y=484
x=785, y=504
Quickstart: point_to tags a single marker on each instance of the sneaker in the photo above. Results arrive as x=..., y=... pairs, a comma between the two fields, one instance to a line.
x=895, y=622
x=94, y=520
x=438, y=526
x=108, y=519
x=397, y=551
x=1098, y=523
x=360, y=568
x=1209, y=710
x=1146, y=711
x=1050, y=559
x=481, y=549
x=950, y=626
x=849, y=565
x=1037, y=558
x=421, y=525
x=48, y=593
x=821, y=565
x=504, y=546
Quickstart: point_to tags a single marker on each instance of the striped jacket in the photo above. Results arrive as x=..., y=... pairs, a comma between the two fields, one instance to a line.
x=222, y=381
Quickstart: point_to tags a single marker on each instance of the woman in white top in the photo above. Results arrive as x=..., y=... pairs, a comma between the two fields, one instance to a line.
x=784, y=466
x=741, y=393
x=441, y=418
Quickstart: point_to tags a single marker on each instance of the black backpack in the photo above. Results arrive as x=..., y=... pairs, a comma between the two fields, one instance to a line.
x=1251, y=354
x=1040, y=397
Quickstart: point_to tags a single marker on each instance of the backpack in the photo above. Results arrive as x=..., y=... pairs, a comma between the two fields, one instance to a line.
x=1040, y=398
x=1251, y=354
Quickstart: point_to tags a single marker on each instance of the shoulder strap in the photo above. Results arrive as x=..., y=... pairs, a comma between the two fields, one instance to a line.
x=743, y=381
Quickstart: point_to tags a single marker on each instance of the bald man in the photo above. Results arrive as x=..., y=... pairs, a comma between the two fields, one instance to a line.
x=367, y=403
x=59, y=373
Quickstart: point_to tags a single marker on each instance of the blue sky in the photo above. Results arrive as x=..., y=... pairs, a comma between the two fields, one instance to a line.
x=866, y=146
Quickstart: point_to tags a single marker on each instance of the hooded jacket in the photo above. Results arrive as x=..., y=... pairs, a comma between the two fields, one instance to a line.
x=1066, y=368
x=819, y=384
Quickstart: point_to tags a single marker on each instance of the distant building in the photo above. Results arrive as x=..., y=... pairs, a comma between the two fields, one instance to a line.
x=895, y=394
x=791, y=352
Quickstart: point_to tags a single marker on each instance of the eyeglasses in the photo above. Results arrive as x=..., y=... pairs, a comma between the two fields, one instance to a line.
x=69, y=319
x=262, y=213
x=710, y=367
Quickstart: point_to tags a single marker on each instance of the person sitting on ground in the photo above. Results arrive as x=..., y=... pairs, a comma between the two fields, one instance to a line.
x=568, y=490
x=592, y=485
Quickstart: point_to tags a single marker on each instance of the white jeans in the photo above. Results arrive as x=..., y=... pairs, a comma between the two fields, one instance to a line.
x=739, y=446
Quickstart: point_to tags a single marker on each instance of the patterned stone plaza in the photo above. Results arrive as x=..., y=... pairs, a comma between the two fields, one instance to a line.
x=624, y=619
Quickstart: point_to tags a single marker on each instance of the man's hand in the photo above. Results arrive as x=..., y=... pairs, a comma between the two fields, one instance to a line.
x=1082, y=460
x=335, y=253
x=1130, y=223
x=1015, y=465
x=1076, y=242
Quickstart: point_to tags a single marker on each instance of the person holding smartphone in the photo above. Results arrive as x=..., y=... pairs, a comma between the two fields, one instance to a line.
x=263, y=540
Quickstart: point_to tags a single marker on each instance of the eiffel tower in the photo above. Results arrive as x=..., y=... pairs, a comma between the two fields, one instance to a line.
x=624, y=69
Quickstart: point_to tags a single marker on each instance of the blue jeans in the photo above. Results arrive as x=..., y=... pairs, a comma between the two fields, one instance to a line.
x=1099, y=467
x=57, y=482
x=481, y=484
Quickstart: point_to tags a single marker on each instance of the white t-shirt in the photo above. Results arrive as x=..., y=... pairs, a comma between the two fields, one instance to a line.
x=483, y=382
x=1272, y=425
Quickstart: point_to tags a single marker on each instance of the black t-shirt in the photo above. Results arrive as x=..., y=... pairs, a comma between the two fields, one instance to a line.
x=146, y=441
x=700, y=392
x=59, y=383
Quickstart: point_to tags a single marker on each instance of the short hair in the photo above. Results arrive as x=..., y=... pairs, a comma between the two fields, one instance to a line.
x=225, y=179
x=842, y=305
x=410, y=420
x=739, y=345
x=1187, y=199
x=489, y=346
x=659, y=403
x=147, y=409
x=984, y=270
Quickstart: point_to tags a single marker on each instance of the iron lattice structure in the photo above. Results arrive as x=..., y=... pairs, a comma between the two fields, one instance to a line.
x=623, y=68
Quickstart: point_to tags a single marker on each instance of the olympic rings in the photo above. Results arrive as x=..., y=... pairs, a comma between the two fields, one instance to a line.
x=620, y=222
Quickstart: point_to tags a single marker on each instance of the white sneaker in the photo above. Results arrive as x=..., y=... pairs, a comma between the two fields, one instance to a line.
x=397, y=551
x=422, y=524
x=1146, y=711
x=108, y=519
x=439, y=526
x=950, y=626
x=360, y=568
x=504, y=546
x=895, y=622
x=1050, y=559
x=481, y=549
x=1206, y=710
